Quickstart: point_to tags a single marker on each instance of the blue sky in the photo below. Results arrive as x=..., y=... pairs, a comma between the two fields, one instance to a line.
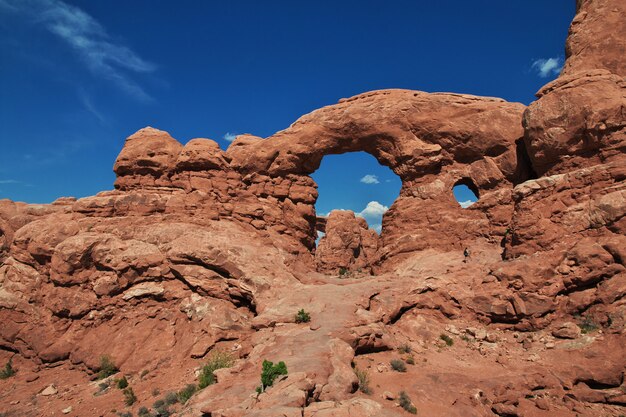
x=77, y=77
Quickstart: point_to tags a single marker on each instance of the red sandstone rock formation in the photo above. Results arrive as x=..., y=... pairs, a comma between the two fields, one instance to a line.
x=348, y=245
x=199, y=250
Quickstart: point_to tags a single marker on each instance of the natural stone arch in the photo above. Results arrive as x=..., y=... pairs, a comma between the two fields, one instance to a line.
x=413, y=133
x=429, y=140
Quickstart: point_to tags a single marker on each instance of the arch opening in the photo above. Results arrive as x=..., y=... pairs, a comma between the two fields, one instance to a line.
x=465, y=192
x=355, y=181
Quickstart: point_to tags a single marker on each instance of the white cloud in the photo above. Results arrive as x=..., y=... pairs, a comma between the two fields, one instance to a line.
x=377, y=227
x=370, y=179
x=373, y=210
x=10, y=182
x=547, y=67
x=229, y=137
x=466, y=204
x=104, y=57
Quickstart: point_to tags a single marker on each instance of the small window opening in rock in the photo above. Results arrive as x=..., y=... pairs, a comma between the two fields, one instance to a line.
x=465, y=193
x=355, y=181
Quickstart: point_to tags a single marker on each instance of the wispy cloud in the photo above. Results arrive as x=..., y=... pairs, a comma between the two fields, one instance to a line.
x=10, y=182
x=547, y=67
x=229, y=137
x=89, y=106
x=370, y=179
x=466, y=203
x=102, y=55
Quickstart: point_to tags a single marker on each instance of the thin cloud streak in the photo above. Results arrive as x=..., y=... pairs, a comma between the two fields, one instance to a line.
x=102, y=56
x=89, y=106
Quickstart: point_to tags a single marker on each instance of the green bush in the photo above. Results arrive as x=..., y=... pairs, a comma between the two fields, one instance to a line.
x=303, y=316
x=410, y=360
x=364, y=380
x=406, y=403
x=171, y=398
x=343, y=271
x=398, y=365
x=218, y=360
x=185, y=394
x=405, y=348
x=446, y=339
x=143, y=412
x=588, y=325
x=270, y=372
x=107, y=368
x=129, y=396
x=122, y=382
x=8, y=371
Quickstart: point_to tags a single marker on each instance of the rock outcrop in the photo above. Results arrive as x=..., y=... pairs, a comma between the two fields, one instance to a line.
x=200, y=253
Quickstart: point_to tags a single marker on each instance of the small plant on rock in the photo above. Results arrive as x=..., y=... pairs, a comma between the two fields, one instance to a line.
x=107, y=368
x=303, y=316
x=171, y=398
x=8, y=371
x=447, y=339
x=364, y=380
x=398, y=365
x=129, y=396
x=185, y=394
x=405, y=402
x=588, y=325
x=218, y=360
x=410, y=360
x=405, y=348
x=343, y=271
x=122, y=382
x=270, y=372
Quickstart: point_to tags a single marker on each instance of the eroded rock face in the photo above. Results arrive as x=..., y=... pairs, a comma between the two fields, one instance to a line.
x=348, y=245
x=200, y=250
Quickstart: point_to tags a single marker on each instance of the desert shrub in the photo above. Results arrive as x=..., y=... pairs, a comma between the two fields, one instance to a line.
x=129, y=396
x=303, y=316
x=342, y=271
x=161, y=409
x=410, y=360
x=125, y=414
x=405, y=402
x=218, y=360
x=102, y=387
x=398, y=365
x=405, y=348
x=122, y=382
x=185, y=394
x=107, y=368
x=364, y=380
x=171, y=398
x=143, y=412
x=588, y=325
x=8, y=371
x=156, y=392
x=446, y=339
x=270, y=372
